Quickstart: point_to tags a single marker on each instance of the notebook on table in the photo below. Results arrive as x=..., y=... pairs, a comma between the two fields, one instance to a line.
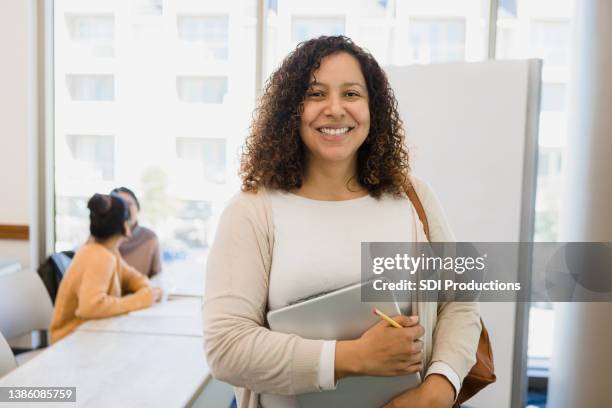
x=341, y=315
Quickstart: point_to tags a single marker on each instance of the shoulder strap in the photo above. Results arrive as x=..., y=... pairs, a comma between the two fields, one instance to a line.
x=418, y=206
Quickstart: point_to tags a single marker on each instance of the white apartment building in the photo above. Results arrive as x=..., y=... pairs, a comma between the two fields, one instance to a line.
x=158, y=95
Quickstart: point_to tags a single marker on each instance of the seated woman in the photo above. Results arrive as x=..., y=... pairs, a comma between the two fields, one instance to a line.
x=99, y=283
x=141, y=250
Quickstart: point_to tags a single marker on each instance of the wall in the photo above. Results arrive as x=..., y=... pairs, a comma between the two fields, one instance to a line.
x=17, y=81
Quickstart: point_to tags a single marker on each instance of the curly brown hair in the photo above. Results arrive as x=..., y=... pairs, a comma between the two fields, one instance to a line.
x=274, y=154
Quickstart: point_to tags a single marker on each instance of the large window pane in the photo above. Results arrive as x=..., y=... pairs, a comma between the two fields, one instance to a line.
x=147, y=7
x=549, y=41
x=156, y=96
x=91, y=87
x=437, y=40
x=94, y=155
x=303, y=28
x=395, y=32
x=207, y=34
x=540, y=29
x=95, y=34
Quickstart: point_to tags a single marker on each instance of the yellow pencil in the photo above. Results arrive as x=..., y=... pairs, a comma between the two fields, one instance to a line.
x=387, y=318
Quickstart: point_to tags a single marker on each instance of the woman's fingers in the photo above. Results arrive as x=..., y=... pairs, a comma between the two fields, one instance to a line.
x=416, y=346
x=411, y=334
x=406, y=321
x=415, y=358
x=410, y=368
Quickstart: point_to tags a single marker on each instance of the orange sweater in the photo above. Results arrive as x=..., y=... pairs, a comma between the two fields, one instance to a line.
x=92, y=288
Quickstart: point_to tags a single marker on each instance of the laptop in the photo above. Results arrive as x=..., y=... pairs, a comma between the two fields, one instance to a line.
x=341, y=315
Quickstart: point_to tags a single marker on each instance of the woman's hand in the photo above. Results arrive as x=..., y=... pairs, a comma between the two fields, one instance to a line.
x=383, y=350
x=157, y=293
x=435, y=392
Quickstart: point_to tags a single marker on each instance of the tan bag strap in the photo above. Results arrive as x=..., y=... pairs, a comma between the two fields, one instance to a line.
x=418, y=206
x=483, y=372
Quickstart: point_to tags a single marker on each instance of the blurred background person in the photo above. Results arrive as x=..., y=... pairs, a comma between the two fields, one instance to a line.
x=99, y=283
x=141, y=250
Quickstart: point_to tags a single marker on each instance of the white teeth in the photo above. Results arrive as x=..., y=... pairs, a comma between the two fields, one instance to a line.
x=331, y=131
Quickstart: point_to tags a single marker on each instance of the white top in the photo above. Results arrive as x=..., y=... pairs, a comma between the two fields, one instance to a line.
x=317, y=248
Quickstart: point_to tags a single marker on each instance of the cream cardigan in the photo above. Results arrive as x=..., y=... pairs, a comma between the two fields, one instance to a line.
x=242, y=351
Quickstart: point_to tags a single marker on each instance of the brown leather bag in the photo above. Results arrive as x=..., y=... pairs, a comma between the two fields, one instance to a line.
x=483, y=372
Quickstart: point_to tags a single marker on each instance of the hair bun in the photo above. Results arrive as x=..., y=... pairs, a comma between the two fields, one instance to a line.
x=99, y=204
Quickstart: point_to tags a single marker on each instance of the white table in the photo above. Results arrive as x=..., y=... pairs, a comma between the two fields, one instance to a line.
x=9, y=265
x=182, y=278
x=117, y=370
x=177, y=316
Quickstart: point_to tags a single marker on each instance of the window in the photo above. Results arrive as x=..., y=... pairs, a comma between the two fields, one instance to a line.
x=91, y=87
x=209, y=155
x=69, y=226
x=210, y=90
x=147, y=7
x=95, y=154
x=549, y=40
x=376, y=8
x=95, y=33
x=395, y=32
x=171, y=72
x=303, y=28
x=549, y=162
x=528, y=29
x=527, y=32
x=437, y=40
x=210, y=33
x=553, y=97
x=193, y=226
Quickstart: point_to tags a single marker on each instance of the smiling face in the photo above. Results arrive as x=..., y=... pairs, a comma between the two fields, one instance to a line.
x=335, y=119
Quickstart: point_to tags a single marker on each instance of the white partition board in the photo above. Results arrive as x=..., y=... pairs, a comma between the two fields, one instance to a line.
x=472, y=133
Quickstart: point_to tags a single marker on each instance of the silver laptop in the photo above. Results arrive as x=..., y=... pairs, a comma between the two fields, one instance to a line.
x=341, y=315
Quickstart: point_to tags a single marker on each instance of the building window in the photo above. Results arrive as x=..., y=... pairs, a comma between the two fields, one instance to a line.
x=553, y=97
x=69, y=225
x=208, y=153
x=210, y=33
x=193, y=223
x=437, y=40
x=91, y=87
x=211, y=90
x=305, y=28
x=94, y=155
x=95, y=33
x=147, y=7
x=549, y=41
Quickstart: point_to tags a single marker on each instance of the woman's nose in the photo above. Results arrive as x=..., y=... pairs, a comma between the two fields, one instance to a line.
x=334, y=107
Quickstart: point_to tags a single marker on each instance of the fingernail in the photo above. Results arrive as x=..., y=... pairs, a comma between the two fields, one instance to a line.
x=414, y=319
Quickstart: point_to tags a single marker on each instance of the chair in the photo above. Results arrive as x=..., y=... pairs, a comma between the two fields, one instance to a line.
x=52, y=271
x=7, y=359
x=25, y=307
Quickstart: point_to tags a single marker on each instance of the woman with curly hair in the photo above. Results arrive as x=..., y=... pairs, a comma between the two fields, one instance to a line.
x=324, y=168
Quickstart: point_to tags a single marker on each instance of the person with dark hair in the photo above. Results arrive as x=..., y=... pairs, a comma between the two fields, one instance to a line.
x=99, y=283
x=141, y=250
x=324, y=168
